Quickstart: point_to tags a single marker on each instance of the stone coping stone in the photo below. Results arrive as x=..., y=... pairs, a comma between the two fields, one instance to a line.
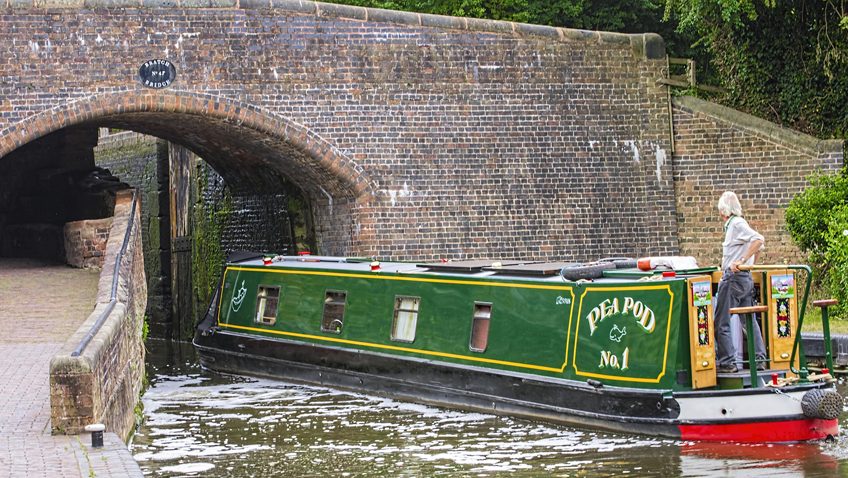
x=814, y=345
x=644, y=45
x=773, y=131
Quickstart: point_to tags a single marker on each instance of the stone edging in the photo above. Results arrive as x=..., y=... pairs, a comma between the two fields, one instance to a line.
x=645, y=45
x=759, y=126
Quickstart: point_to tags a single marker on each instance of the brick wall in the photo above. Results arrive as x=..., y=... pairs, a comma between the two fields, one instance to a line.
x=718, y=149
x=413, y=136
x=85, y=242
x=257, y=222
x=102, y=384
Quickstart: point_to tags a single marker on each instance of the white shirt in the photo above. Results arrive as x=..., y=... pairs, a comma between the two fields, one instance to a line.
x=737, y=237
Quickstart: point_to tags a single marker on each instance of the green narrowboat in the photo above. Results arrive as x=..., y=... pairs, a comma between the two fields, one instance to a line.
x=627, y=350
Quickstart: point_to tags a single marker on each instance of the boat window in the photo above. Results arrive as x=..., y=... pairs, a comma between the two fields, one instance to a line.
x=266, y=304
x=480, y=327
x=406, y=318
x=334, y=307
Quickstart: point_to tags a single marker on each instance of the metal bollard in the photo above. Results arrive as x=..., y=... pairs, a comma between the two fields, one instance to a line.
x=96, y=430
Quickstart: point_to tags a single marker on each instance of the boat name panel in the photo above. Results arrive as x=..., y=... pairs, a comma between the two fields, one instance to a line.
x=624, y=335
x=632, y=307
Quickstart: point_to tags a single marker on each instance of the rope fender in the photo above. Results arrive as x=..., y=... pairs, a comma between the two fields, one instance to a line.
x=822, y=403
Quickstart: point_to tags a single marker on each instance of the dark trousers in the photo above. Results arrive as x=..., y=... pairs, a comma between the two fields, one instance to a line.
x=734, y=290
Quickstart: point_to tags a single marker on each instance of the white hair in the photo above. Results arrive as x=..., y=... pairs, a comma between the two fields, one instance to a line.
x=728, y=204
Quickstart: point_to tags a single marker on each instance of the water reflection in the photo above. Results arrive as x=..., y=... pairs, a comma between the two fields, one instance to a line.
x=204, y=424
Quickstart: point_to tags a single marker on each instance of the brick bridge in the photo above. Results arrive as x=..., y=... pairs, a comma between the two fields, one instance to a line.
x=412, y=136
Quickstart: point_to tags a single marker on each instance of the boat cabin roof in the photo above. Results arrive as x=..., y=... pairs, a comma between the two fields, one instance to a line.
x=541, y=271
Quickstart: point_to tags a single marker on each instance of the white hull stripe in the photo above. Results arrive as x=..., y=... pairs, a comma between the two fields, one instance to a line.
x=740, y=407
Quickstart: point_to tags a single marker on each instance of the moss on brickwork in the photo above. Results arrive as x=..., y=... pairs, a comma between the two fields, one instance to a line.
x=132, y=157
x=207, y=254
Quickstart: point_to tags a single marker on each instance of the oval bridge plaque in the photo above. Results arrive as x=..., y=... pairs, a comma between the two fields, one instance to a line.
x=157, y=73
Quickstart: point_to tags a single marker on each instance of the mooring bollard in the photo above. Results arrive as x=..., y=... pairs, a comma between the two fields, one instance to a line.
x=96, y=430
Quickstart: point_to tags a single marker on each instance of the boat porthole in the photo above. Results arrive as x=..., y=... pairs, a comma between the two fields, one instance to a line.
x=724, y=411
x=659, y=405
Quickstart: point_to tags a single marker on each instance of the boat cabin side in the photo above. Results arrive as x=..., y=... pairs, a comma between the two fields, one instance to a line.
x=626, y=329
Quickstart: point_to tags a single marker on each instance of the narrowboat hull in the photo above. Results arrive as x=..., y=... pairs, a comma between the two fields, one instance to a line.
x=625, y=353
x=745, y=415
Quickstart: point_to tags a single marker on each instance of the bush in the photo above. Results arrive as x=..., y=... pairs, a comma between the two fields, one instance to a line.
x=817, y=219
x=809, y=213
x=836, y=258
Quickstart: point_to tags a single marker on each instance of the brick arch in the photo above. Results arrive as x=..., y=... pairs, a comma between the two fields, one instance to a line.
x=97, y=108
x=250, y=147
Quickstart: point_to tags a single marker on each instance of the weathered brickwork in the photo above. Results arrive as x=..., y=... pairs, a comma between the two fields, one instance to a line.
x=413, y=136
x=102, y=384
x=135, y=159
x=717, y=150
x=85, y=242
x=258, y=222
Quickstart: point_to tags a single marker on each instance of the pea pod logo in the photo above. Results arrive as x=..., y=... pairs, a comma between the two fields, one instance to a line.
x=238, y=298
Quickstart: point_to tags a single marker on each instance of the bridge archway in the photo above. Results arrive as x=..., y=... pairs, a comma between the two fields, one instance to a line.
x=253, y=150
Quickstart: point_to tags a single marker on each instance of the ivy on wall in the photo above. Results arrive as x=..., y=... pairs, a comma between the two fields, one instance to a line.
x=208, y=256
x=783, y=61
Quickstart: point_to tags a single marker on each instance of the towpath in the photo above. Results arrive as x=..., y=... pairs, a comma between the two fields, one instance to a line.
x=41, y=305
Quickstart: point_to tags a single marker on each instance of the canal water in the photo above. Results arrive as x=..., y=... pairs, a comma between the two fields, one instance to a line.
x=199, y=423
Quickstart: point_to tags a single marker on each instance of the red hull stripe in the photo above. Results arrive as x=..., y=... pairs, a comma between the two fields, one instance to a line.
x=779, y=431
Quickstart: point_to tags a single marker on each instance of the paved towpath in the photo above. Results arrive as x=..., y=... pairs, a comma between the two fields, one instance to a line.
x=41, y=305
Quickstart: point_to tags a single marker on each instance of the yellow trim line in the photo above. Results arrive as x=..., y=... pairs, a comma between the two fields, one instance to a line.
x=394, y=347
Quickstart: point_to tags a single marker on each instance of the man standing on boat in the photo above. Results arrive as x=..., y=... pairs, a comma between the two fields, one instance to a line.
x=740, y=247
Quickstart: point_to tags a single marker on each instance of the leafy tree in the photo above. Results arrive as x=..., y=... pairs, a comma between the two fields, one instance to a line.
x=785, y=61
x=809, y=214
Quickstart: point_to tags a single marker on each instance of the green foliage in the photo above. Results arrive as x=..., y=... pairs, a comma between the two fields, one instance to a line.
x=783, y=61
x=138, y=411
x=145, y=328
x=626, y=16
x=836, y=257
x=818, y=221
x=809, y=214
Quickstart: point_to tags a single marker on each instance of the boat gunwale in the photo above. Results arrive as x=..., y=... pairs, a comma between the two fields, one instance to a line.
x=497, y=398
